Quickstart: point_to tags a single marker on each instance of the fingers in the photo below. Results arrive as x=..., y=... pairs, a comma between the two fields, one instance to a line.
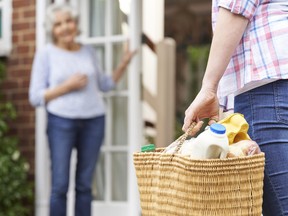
x=187, y=123
x=80, y=75
x=196, y=128
x=130, y=54
x=83, y=81
x=213, y=120
x=127, y=45
x=79, y=80
x=198, y=125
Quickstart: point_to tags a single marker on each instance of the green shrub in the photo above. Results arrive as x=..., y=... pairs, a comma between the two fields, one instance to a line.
x=198, y=57
x=16, y=192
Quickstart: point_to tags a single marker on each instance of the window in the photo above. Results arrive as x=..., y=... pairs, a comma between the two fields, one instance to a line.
x=5, y=27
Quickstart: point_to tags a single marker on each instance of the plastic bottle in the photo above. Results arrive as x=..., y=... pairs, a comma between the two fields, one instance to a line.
x=148, y=148
x=187, y=147
x=211, y=143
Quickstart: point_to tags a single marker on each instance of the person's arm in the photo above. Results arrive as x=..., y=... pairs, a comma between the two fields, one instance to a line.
x=118, y=72
x=227, y=35
x=75, y=82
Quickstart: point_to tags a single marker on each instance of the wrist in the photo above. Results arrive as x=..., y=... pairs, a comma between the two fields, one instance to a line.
x=125, y=62
x=209, y=86
x=64, y=88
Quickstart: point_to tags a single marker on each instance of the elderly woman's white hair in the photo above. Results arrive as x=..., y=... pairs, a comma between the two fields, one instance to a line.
x=50, y=16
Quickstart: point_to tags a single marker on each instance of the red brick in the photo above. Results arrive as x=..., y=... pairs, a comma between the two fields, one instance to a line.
x=15, y=38
x=15, y=15
x=30, y=13
x=14, y=71
x=23, y=118
x=21, y=3
x=23, y=49
x=9, y=84
x=28, y=60
x=20, y=26
x=26, y=131
x=29, y=36
x=25, y=82
x=20, y=96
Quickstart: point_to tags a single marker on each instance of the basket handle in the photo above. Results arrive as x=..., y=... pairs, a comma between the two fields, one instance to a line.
x=180, y=140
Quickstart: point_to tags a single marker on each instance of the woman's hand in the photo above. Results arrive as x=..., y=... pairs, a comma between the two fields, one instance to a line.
x=205, y=105
x=128, y=56
x=75, y=82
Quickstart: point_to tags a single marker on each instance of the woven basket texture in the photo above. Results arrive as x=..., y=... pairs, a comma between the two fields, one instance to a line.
x=171, y=184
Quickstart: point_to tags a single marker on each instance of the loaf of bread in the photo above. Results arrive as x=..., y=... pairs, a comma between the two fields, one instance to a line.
x=243, y=148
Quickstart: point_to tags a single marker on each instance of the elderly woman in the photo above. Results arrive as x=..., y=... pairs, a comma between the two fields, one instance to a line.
x=66, y=80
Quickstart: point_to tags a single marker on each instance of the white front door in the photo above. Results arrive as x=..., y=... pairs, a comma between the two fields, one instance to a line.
x=106, y=25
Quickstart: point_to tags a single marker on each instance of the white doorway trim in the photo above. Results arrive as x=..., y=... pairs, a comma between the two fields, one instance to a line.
x=42, y=175
x=135, y=121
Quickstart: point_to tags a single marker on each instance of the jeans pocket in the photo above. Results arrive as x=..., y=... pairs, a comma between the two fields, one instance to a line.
x=281, y=100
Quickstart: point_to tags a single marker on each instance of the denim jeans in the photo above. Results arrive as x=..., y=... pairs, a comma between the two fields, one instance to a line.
x=266, y=110
x=86, y=135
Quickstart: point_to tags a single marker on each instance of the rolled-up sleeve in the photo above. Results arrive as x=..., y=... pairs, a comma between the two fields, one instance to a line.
x=246, y=8
x=105, y=82
x=39, y=79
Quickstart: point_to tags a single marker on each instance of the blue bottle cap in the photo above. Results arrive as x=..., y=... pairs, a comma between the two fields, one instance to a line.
x=218, y=128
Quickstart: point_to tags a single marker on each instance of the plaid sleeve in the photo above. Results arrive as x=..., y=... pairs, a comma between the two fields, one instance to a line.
x=246, y=8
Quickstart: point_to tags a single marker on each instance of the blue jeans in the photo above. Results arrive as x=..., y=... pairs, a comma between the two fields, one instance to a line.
x=86, y=135
x=266, y=110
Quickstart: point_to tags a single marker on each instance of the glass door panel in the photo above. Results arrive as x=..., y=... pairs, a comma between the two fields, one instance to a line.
x=97, y=18
x=120, y=123
x=99, y=180
x=119, y=173
x=119, y=19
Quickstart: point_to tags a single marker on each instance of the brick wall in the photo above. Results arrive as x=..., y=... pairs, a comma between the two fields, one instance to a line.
x=16, y=85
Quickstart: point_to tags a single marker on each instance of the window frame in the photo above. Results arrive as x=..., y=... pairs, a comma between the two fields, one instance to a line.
x=6, y=25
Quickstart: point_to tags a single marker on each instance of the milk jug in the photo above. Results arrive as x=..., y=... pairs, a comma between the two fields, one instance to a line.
x=187, y=147
x=211, y=143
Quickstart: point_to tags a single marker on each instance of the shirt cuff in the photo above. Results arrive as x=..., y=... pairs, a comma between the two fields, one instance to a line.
x=246, y=8
x=42, y=98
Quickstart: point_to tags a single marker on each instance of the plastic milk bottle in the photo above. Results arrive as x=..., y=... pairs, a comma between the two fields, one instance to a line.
x=211, y=143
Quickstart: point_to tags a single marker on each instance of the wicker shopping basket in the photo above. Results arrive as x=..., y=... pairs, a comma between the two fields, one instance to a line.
x=171, y=184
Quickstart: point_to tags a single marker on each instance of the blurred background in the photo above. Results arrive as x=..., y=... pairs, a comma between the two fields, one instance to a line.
x=173, y=39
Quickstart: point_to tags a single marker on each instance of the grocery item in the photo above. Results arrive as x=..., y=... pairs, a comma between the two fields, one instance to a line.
x=148, y=148
x=243, y=148
x=171, y=149
x=236, y=127
x=211, y=143
x=187, y=147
